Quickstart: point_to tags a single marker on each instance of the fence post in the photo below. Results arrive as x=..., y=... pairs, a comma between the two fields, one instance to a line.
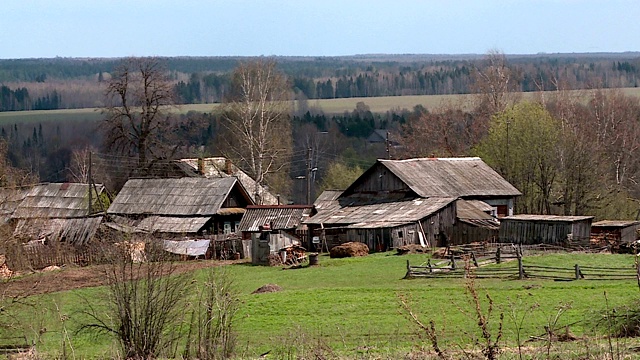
x=498, y=255
x=431, y=267
x=578, y=274
x=453, y=262
x=475, y=261
x=520, y=266
x=408, y=275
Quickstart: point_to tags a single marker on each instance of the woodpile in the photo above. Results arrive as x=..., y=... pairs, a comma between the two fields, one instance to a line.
x=5, y=272
x=293, y=254
x=350, y=249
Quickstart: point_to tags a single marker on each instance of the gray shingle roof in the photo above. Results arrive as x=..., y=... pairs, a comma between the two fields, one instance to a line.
x=393, y=213
x=457, y=177
x=55, y=200
x=173, y=197
x=281, y=217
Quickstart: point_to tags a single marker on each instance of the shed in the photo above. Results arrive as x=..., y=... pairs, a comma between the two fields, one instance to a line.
x=58, y=212
x=473, y=223
x=285, y=223
x=546, y=229
x=614, y=231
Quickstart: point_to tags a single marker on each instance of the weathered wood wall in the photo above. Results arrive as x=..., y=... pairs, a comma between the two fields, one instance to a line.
x=544, y=232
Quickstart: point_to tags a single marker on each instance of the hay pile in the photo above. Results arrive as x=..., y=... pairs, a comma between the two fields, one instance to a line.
x=268, y=288
x=350, y=249
x=412, y=249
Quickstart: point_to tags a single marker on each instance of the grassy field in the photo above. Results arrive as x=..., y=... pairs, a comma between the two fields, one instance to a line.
x=352, y=305
x=329, y=106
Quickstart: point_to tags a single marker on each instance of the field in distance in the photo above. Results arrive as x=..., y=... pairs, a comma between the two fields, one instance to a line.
x=329, y=106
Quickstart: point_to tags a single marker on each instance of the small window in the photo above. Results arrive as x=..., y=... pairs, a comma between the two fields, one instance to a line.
x=400, y=234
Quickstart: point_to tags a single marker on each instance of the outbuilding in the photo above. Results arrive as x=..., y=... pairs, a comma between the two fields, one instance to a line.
x=528, y=229
x=614, y=231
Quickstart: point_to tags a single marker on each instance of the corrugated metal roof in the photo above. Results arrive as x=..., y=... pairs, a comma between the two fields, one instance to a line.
x=615, y=223
x=390, y=212
x=56, y=200
x=216, y=167
x=535, y=217
x=177, y=197
x=281, y=217
x=457, y=177
x=172, y=224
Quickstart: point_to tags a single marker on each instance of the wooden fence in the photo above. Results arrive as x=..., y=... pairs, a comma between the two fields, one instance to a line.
x=467, y=263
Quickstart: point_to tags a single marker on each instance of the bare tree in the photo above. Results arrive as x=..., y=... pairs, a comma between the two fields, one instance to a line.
x=495, y=83
x=256, y=127
x=138, y=98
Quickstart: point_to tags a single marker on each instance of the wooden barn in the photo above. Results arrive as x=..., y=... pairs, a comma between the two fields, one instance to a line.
x=386, y=225
x=474, y=223
x=181, y=206
x=614, y=232
x=546, y=229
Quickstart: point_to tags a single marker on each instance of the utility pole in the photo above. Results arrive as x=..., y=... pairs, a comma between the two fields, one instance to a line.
x=388, y=146
x=89, y=184
x=309, y=176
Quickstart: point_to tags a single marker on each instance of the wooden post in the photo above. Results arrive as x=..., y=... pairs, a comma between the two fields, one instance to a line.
x=638, y=271
x=431, y=269
x=520, y=266
x=408, y=275
x=578, y=273
x=453, y=262
x=475, y=261
x=498, y=255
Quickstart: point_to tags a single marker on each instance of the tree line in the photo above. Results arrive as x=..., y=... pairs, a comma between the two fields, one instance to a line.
x=208, y=79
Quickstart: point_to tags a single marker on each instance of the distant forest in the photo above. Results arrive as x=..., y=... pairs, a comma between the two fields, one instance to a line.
x=66, y=83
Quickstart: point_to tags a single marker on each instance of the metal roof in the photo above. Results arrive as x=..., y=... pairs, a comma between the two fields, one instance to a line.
x=173, y=197
x=280, y=216
x=615, y=223
x=455, y=177
x=390, y=212
x=56, y=200
x=221, y=167
x=535, y=217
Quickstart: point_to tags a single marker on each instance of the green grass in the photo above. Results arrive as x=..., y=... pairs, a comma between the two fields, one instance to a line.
x=350, y=303
x=330, y=106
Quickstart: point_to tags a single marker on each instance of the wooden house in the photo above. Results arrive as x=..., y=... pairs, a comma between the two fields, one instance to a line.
x=181, y=206
x=57, y=212
x=546, y=229
x=614, y=231
x=266, y=229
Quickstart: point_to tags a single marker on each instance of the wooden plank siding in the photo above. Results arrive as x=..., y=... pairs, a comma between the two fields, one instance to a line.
x=544, y=232
x=380, y=181
x=464, y=233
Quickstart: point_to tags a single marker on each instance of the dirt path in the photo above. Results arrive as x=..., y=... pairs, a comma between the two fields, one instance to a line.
x=71, y=277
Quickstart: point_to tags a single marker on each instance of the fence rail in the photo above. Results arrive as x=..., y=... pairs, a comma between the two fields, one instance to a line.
x=464, y=262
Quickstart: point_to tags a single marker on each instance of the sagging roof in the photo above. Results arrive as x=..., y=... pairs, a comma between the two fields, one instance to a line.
x=221, y=167
x=536, y=217
x=76, y=231
x=56, y=200
x=281, y=217
x=450, y=177
x=328, y=199
x=615, y=223
x=391, y=213
x=174, y=197
x=472, y=212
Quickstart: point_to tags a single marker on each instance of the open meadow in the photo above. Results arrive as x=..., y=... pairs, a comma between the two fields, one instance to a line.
x=329, y=106
x=352, y=308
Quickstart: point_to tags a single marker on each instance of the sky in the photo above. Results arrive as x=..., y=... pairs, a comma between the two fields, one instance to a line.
x=117, y=28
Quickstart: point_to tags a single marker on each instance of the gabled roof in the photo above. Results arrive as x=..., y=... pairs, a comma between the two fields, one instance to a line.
x=328, y=199
x=390, y=213
x=56, y=200
x=221, y=167
x=281, y=217
x=449, y=177
x=174, y=197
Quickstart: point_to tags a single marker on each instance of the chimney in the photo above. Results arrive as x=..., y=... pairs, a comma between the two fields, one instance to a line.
x=201, y=166
x=227, y=167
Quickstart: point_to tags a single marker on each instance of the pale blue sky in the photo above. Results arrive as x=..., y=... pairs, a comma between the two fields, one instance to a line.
x=114, y=28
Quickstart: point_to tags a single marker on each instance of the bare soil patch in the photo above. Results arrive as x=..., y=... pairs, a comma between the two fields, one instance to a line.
x=268, y=288
x=70, y=277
